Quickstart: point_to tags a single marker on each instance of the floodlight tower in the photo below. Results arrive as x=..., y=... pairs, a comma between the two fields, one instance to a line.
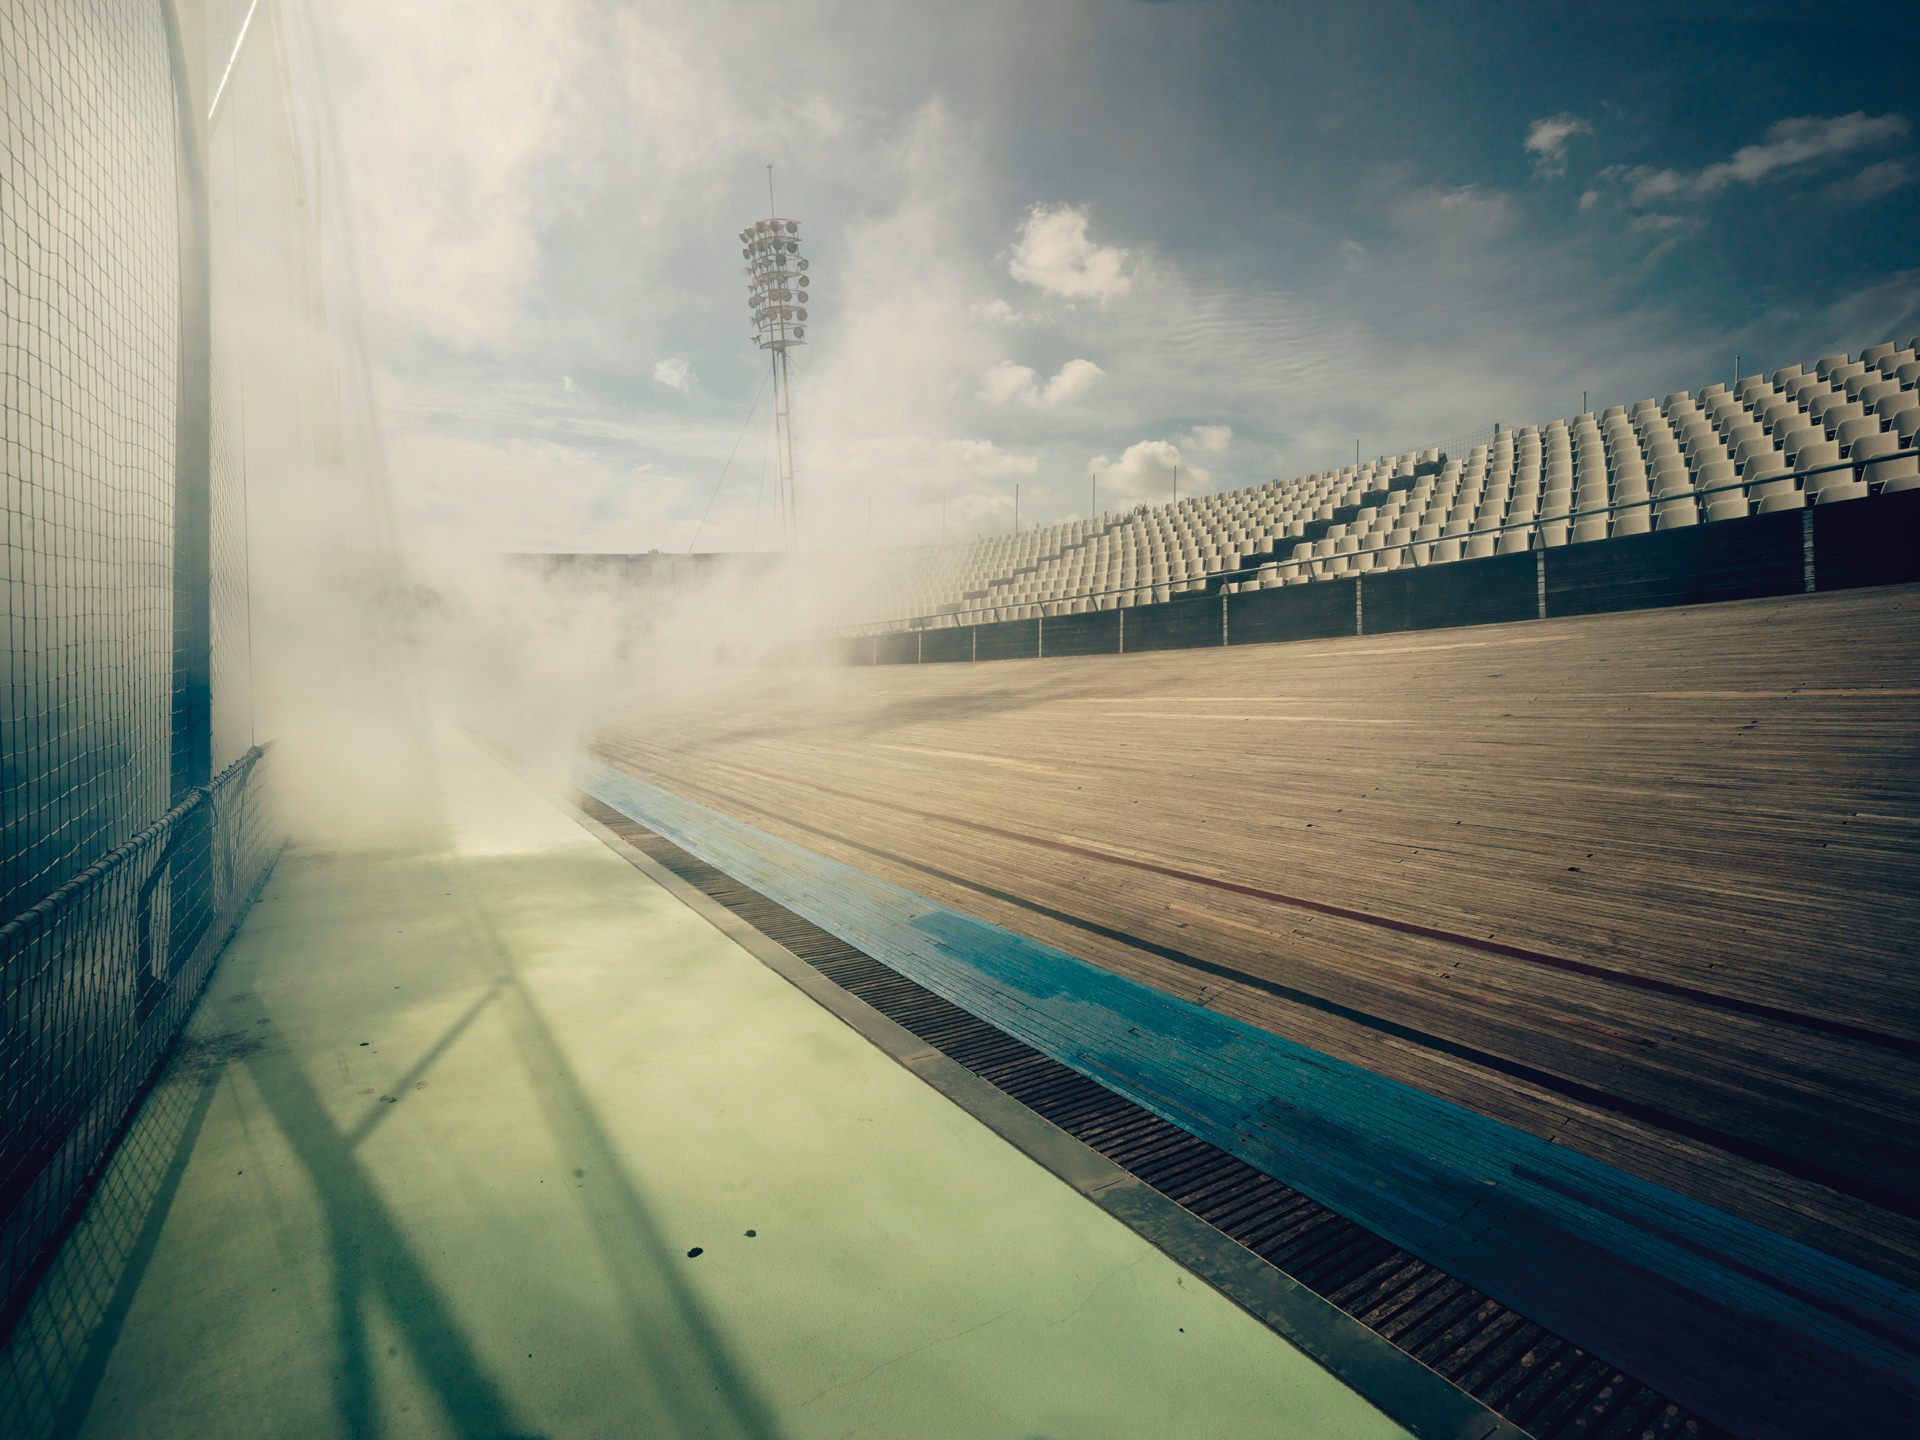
x=777, y=284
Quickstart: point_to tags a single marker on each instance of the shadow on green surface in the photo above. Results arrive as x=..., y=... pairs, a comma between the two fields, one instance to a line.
x=60, y=1352
x=58, y=1349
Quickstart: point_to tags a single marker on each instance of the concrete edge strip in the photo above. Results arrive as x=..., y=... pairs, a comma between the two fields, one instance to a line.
x=1426, y=1402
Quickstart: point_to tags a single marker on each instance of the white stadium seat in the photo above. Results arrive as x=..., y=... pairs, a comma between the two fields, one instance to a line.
x=1772, y=442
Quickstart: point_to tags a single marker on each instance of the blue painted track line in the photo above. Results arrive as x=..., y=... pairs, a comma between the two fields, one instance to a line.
x=1723, y=1315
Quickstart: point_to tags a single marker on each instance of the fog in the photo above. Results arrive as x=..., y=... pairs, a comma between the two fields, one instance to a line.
x=357, y=647
x=367, y=659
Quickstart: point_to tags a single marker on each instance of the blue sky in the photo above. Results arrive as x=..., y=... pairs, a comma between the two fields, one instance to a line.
x=1074, y=239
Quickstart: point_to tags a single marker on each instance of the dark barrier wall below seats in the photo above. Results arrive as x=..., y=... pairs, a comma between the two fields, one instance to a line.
x=1293, y=612
x=1870, y=542
x=1008, y=640
x=1096, y=633
x=1830, y=547
x=1731, y=560
x=902, y=647
x=953, y=644
x=1177, y=625
x=1468, y=592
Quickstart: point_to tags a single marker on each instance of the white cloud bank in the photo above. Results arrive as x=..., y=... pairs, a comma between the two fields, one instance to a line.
x=472, y=104
x=1055, y=253
x=1008, y=383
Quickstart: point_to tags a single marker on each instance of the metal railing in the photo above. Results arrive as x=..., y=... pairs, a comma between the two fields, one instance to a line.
x=96, y=982
x=908, y=624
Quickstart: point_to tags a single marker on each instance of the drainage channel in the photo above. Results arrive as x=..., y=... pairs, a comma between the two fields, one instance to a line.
x=1542, y=1383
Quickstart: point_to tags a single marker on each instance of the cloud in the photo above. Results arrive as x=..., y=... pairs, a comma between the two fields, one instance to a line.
x=1548, y=138
x=1214, y=439
x=673, y=372
x=1009, y=384
x=1054, y=253
x=999, y=312
x=988, y=461
x=447, y=120
x=1881, y=178
x=1145, y=471
x=1796, y=144
x=1075, y=379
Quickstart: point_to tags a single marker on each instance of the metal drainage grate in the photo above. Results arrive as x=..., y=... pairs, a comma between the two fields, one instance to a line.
x=1546, y=1385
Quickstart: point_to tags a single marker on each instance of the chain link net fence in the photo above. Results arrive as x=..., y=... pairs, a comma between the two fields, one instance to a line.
x=143, y=143
x=99, y=978
x=90, y=275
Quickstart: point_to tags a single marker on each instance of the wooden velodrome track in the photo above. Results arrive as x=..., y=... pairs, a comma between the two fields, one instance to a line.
x=1642, y=884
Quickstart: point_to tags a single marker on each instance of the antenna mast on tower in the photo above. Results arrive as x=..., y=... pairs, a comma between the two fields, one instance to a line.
x=777, y=284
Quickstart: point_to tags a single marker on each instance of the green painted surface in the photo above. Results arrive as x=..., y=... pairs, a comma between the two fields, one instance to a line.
x=447, y=1125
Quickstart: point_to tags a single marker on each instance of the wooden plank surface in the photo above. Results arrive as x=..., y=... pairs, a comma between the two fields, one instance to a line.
x=1424, y=832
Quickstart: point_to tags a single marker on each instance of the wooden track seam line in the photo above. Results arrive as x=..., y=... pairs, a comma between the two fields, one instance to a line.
x=1838, y=1028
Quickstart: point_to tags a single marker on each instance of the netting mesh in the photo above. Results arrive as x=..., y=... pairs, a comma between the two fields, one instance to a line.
x=89, y=266
x=120, y=876
x=98, y=979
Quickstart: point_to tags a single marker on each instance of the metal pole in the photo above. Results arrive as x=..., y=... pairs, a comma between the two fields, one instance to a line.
x=190, y=748
x=192, y=711
x=1016, y=509
x=783, y=445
